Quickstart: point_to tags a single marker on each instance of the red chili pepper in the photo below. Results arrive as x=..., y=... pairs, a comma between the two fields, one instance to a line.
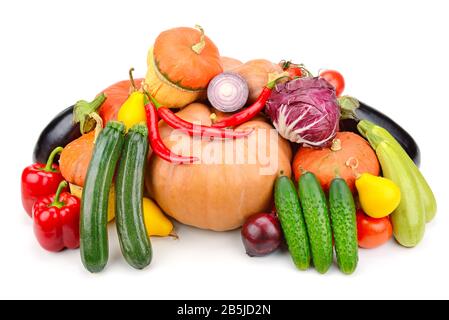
x=250, y=112
x=56, y=220
x=198, y=130
x=193, y=129
x=40, y=180
x=156, y=142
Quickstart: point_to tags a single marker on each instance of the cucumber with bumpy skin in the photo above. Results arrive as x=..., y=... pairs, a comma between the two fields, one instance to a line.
x=292, y=222
x=316, y=215
x=134, y=240
x=94, y=246
x=344, y=225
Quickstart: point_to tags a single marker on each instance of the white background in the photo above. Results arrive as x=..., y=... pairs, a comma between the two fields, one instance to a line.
x=394, y=55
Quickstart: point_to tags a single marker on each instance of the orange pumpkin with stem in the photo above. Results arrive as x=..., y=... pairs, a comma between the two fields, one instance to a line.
x=181, y=65
x=234, y=180
x=348, y=156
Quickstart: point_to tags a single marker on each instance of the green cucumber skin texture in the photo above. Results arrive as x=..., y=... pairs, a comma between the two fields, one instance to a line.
x=94, y=246
x=316, y=214
x=344, y=225
x=292, y=221
x=134, y=240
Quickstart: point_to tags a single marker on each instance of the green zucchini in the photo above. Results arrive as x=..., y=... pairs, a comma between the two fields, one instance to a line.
x=292, y=222
x=409, y=219
x=316, y=215
x=418, y=203
x=375, y=134
x=344, y=225
x=94, y=205
x=134, y=240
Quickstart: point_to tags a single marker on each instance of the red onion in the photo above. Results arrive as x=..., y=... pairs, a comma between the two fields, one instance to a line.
x=261, y=234
x=228, y=92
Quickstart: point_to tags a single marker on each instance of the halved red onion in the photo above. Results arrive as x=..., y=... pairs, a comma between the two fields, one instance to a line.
x=228, y=92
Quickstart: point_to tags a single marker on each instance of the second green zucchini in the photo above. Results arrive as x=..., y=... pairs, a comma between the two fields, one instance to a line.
x=134, y=240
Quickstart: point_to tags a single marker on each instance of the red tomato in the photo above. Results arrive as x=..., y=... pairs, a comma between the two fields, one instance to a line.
x=372, y=232
x=336, y=79
x=294, y=70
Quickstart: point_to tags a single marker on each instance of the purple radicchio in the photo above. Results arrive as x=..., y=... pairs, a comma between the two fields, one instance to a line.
x=305, y=110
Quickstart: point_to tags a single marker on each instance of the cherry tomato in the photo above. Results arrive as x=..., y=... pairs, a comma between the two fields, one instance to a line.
x=372, y=232
x=336, y=79
x=294, y=70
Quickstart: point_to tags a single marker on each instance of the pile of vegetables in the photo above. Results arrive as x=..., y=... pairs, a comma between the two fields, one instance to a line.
x=310, y=167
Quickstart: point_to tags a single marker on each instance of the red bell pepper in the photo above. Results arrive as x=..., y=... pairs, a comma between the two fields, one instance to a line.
x=39, y=180
x=57, y=219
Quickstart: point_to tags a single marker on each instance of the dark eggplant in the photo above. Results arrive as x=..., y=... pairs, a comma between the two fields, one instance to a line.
x=353, y=111
x=65, y=127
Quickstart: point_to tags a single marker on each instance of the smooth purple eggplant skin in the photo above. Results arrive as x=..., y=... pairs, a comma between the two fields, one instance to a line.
x=365, y=112
x=59, y=132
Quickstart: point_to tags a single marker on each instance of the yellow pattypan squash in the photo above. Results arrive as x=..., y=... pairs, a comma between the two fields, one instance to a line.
x=378, y=196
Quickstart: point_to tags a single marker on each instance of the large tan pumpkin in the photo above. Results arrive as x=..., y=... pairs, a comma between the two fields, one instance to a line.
x=216, y=194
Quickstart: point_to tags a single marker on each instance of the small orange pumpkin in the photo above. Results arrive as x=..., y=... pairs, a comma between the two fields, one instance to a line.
x=181, y=65
x=348, y=156
x=75, y=159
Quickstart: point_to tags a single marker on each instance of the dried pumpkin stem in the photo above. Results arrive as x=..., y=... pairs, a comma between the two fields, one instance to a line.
x=353, y=163
x=199, y=47
x=98, y=126
x=336, y=145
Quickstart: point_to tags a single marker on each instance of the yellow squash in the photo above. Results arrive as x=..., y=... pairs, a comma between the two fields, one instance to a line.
x=132, y=111
x=156, y=223
x=378, y=196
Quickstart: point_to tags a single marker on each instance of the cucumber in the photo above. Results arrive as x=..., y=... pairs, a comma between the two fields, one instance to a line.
x=316, y=215
x=292, y=222
x=344, y=225
x=134, y=240
x=94, y=204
